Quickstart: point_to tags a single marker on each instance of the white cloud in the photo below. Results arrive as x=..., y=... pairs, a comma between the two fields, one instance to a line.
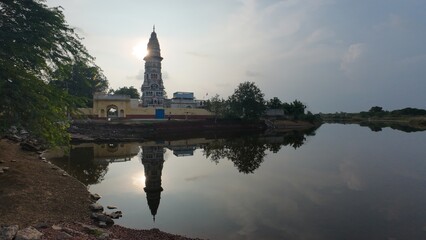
x=352, y=57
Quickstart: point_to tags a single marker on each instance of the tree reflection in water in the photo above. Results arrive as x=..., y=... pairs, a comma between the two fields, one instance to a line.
x=247, y=153
x=89, y=162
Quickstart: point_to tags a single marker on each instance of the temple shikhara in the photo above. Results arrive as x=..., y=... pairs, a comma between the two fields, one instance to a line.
x=152, y=87
x=154, y=103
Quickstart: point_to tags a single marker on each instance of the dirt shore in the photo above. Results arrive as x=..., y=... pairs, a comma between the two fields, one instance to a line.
x=34, y=192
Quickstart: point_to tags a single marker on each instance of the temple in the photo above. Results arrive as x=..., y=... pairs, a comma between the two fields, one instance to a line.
x=154, y=103
x=152, y=87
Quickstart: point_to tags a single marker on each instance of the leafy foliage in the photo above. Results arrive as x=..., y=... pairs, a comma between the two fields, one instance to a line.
x=35, y=42
x=217, y=106
x=247, y=153
x=296, y=108
x=130, y=91
x=274, y=103
x=81, y=80
x=247, y=102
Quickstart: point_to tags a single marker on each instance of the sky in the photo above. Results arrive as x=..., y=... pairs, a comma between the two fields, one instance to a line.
x=332, y=55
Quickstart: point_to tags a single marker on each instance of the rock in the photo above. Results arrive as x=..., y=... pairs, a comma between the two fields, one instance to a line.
x=96, y=207
x=105, y=218
x=56, y=227
x=42, y=158
x=63, y=235
x=101, y=217
x=1, y=171
x=101, y=233
x=27, y=146
x=4, y=168
x=64, y=174
x=72, y=231
x=1, y=161
x=8, y=232
x=23, y=132
x=111, y=207
x=13, y=130
x=102, y=224
x=14, y=138
x=115, y=215
x=28, y=233
x=94, y=215
x=41, y=225
x=13, y=160
x=95, y=196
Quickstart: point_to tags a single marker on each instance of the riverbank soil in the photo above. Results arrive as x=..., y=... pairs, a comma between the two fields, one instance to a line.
x=35, y=193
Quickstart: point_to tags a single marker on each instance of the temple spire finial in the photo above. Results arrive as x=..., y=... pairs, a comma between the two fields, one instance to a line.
x=153, y=28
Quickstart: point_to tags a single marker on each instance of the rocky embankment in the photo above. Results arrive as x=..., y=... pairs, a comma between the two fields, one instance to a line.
x=101, y=131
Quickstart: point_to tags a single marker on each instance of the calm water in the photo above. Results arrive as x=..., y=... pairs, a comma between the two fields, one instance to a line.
x=344, y=182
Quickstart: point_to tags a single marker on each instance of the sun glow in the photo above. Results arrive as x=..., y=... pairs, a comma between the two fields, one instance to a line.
x=139, y=180
x=140, y=50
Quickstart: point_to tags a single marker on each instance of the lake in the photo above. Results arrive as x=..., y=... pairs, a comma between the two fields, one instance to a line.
x=339, y=182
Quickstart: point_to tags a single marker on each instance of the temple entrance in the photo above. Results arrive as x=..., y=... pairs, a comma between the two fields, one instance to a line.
x=159, y=113
x=112, y=111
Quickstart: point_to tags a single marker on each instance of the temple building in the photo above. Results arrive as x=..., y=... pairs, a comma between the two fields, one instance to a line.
x=152, y=87
x=153, y=103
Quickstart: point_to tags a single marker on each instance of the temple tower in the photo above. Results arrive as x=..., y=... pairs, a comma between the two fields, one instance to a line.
x=152, y=160
x=152, y=87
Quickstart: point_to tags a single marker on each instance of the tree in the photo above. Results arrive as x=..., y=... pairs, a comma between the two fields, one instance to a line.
x=296, y=108
x=274, y=103
x=376, y=109
x=247, y=102
x=81, y=80
x=35, y=42
x=216, y=105
x=130, y=91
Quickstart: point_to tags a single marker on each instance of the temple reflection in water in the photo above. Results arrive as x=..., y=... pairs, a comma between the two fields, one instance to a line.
x=152, y=160
x=89, y=162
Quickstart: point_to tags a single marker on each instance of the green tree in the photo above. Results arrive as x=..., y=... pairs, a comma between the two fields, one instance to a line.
x=130, y=91
x=247, y=102
x=296, y=108
x=81, y=80
x=274, y=103
x=376, y=109
x=35, y=42
x=217, y=106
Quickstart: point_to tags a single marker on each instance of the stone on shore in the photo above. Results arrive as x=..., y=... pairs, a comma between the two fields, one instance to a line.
x=8, y=232
x=28, y=233
x=63, y=235
x=101, y=217
x=96, y=207
x=95, y=196
x=111, y=207
x=116, y=214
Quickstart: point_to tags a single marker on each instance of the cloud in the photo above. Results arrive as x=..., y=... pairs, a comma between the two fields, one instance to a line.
x=196, y=178
x=253, y=74
x=393, y=21
x=352, y=56
x=197, y=54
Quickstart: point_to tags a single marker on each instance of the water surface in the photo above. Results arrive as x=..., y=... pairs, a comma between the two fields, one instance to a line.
x=344, y=182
